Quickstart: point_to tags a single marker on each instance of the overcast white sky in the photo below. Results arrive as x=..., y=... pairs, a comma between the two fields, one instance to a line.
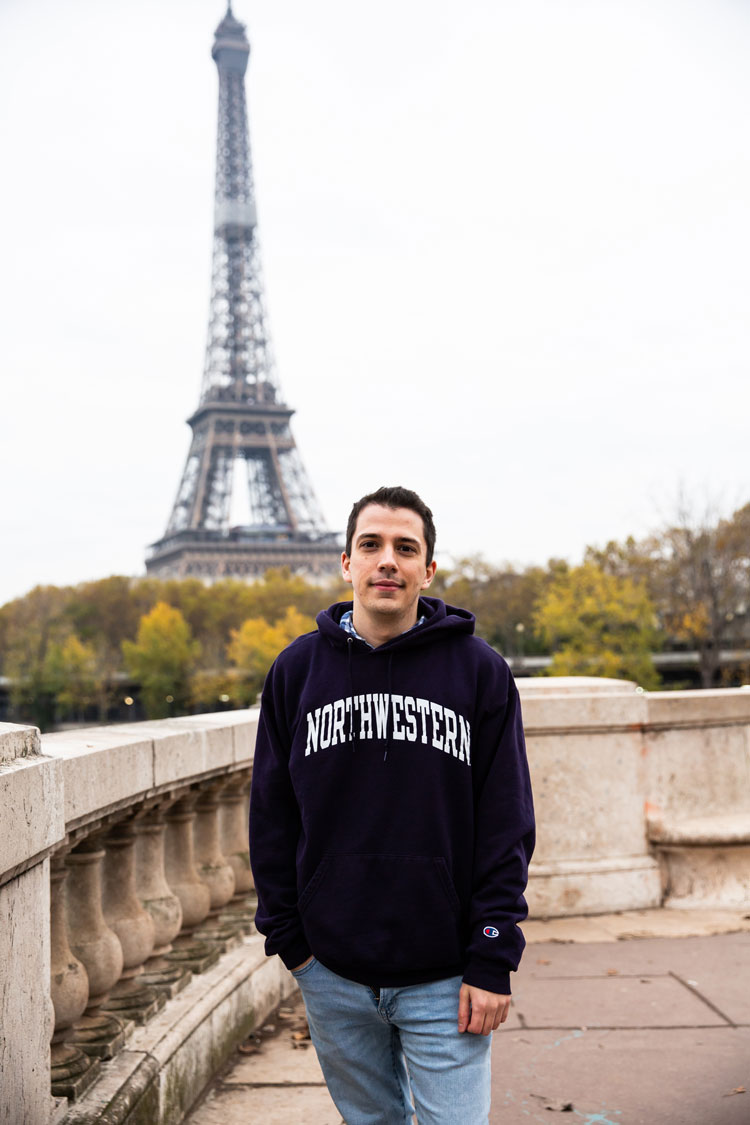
x=506, y=248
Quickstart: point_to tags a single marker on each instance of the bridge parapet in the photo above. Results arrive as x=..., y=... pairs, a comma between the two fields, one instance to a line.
x=643, y=798
x=124, y=867
x=130, y=967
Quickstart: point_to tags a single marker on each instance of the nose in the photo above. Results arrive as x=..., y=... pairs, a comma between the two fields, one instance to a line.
x=387, y=560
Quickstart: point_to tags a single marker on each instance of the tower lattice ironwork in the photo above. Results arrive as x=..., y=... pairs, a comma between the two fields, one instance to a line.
x=245, y=502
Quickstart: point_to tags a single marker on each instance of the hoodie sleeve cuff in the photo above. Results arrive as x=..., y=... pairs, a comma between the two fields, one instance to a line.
x=294, y=955
x=488, y=977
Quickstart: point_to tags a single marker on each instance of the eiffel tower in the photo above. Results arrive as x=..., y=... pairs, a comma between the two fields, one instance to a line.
x=245, y=502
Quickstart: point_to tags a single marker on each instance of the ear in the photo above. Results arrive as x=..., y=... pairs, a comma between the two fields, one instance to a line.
x=429, y=575
x=345, y=567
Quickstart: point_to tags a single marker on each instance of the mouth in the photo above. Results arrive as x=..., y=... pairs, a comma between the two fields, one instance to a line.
x=384, y=584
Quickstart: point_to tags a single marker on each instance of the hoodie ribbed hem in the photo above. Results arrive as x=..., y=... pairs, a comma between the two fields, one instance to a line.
x=385, y=978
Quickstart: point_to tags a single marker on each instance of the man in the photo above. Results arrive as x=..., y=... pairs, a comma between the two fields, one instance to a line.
x=391, y=825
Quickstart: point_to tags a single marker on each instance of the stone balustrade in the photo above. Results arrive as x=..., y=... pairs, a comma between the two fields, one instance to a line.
x=128, y=964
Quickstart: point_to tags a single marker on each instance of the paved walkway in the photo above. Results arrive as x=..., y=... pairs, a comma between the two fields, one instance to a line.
x=603, y=1031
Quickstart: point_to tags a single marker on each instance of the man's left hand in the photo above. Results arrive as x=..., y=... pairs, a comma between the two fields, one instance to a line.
x=481, y=1012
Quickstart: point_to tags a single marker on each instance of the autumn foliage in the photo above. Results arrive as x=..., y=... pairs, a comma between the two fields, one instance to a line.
x=78, y=653
x=122, y=647
x=598, y=624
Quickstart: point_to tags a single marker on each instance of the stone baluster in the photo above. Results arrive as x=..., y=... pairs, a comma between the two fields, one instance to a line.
x=191, y=950
x=221, y=929
x=133, y=925
x=179, y=863
x=167, y=977
x=96, y=945
x=91, y=939
x=72, y=1071
x=121, y=906
x=234, y=829
x=151, y=881
x=233, y=814
x=213, y=867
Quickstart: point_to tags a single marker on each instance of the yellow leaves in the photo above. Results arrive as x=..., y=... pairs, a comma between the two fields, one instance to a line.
x=598, y=624
x=694, y=624
x=256, y=644
x=164, y=639
x=71, y=673
x=169, y=637
x=161, y=658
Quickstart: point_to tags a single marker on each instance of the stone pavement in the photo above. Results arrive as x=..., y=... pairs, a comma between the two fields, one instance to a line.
x=604, y=1030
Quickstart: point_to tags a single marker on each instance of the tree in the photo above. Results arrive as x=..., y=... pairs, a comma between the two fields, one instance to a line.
x=71, y=673
x=697, y=572
x=598, y=624
x=701, y=583
x=502, y=598
x=103, y=614
x=254, y=647
x=28, y=626
x=161, y=659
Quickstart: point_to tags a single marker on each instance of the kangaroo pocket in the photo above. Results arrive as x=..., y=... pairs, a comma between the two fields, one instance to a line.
x=382, y=913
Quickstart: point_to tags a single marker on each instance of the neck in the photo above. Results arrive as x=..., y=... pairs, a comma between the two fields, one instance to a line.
x=377, y=632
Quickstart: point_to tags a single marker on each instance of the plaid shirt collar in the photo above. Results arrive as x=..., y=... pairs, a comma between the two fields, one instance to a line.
x=347, y=625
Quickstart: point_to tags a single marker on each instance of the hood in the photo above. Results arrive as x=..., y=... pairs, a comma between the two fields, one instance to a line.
x=440, y=620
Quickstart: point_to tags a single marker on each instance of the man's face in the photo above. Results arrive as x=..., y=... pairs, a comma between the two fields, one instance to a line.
x=388, y=565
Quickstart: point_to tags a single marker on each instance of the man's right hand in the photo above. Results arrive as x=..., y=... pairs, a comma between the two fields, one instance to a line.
x=297, y=968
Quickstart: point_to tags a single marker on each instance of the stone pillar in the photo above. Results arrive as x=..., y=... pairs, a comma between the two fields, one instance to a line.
x=121, y=906
x=72, y=1070
x=131, y=997
x=213, y=868
x=96, y=945
x=91, y=939
x=151, y=883
x=179, y=863
x=233, y=819
x=33, y=826
x=234, y=829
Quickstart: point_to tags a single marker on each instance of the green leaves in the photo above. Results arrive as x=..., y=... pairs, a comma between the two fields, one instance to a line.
x=598, y=624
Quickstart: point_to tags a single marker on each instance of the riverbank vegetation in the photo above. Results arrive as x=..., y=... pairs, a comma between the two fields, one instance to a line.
x=123, y=647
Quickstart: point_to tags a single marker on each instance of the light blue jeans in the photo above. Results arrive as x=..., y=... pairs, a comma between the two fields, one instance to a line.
x=372, y=1051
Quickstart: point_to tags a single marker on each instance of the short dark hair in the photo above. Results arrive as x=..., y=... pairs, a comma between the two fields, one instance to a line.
x=394, y=497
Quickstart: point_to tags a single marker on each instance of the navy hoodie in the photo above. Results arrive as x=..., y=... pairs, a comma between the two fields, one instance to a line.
x=391, y=817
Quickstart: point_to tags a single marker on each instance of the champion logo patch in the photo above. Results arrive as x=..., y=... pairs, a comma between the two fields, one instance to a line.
x=490, y=931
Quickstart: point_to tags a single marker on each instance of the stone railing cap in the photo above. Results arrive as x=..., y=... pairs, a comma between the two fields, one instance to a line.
x=573, y=685
x=107, y=768
x=17, y=742
x=577, y=712
x=721, y=705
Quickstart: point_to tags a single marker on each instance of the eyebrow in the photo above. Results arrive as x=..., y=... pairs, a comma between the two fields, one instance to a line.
x=377, y=535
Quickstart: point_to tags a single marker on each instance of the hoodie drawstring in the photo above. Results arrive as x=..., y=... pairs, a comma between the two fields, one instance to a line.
x=389, y=720
x=350, y=670
x=353, y=736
